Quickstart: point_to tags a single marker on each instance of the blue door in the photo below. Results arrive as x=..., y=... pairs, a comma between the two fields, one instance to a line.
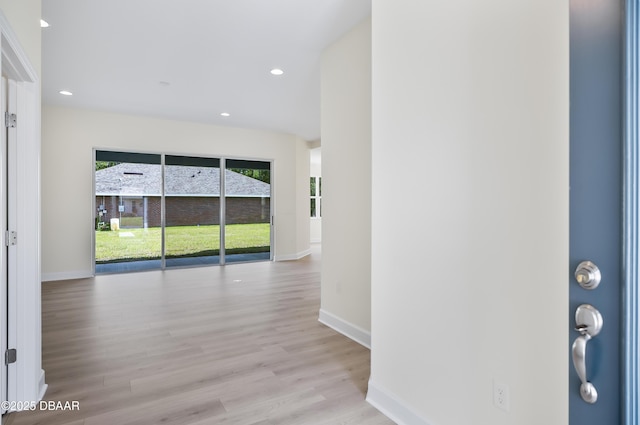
x=596, y=46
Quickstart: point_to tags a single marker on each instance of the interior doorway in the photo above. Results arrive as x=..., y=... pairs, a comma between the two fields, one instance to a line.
x=4, y=287
x=22, y=378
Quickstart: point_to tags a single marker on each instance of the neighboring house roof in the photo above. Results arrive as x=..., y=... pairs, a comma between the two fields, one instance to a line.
x=130, y=179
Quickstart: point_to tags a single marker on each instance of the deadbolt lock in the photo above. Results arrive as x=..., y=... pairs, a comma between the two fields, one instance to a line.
x=588, y=275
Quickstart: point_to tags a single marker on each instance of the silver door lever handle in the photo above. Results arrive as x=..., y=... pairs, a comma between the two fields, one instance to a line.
x=578, y=352
x=589, y=324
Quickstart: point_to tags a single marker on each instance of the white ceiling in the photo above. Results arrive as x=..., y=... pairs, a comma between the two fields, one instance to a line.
x=216, y=55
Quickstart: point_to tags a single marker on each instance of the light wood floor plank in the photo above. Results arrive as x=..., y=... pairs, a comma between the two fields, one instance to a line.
x=235, y=345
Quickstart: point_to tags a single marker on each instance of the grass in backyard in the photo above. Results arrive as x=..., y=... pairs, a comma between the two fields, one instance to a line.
x=181, y=241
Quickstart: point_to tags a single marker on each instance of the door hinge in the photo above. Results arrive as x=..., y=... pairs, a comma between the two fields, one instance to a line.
x=10, y=120
x=10, y=356
x=10, y=238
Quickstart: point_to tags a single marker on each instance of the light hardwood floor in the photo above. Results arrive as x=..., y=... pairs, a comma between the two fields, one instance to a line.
x=218, y=345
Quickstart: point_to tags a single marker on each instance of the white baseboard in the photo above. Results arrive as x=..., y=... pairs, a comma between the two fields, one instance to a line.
x=347, y=329
x=392, y=407
x=50, y=277
x=292, y=257
x=316, y=240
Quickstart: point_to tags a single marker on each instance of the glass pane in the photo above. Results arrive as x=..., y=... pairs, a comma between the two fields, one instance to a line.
x=313, y=207
x=313, y=186
x=248, y=211
x=127, y=198
x=319, y=186
x=192, y=211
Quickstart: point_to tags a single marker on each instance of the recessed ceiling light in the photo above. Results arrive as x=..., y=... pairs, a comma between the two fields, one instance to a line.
x=65, y=92
x=43, y=23
x=277, y=71
x=225, y=114
x=164, y=83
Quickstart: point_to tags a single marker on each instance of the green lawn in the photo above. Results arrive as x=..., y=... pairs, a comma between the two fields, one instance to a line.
x=181, y=241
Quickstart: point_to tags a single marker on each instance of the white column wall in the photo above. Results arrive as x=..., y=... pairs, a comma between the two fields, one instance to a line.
x=470, y=210
x=346, y=184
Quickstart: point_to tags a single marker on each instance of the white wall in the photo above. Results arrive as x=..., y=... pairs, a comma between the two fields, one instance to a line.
x=69, y=135
x=24, y=17
x=470, y=210
x=346, y=184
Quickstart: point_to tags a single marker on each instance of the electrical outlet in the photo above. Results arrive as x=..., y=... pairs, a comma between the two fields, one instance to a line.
x=501, y=396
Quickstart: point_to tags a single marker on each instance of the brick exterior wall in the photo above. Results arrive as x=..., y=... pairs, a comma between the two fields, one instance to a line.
x=185, y=211
x=248, y=210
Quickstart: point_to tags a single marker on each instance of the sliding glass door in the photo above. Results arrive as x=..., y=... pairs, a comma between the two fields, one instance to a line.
x=247, y=201
x=155, y=211
x=128, y=190
x=192, y=210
